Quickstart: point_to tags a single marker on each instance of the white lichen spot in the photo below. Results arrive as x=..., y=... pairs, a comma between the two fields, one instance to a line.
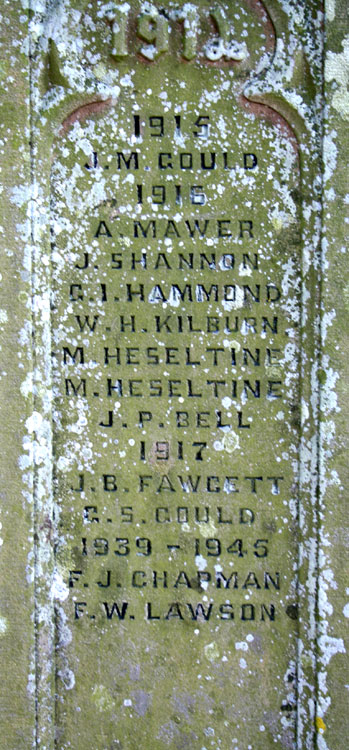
x=329, y=647
x=329, y=154
x=26, y=387
x=241, y=646
x=218, y=445
x=102, y=698
x=330, y=6
x=34, y=422
x=200, y=562
x=208, y=530
x=3, y=625
x=337, y=69
x=230, y=442
x=59, y=588
x=211, y=651
x=67, y=677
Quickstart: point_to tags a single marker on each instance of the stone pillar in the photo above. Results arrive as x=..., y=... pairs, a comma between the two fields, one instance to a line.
x=173, y=379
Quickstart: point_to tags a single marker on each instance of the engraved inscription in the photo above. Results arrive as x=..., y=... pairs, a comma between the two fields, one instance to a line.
x=176, y=267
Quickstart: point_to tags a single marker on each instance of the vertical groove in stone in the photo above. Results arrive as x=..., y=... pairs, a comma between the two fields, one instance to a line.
x=42, y=453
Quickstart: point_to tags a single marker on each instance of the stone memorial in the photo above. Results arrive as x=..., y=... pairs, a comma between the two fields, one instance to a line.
x=174, y=311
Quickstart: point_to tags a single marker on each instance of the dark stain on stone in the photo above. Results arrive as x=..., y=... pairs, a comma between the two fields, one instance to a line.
x=292, y=611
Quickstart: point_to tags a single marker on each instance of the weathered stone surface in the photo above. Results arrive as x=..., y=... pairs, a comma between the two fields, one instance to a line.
x=179, y=262
x=17, y=684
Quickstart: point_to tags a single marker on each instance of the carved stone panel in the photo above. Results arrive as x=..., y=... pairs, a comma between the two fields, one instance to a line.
x=174, y=238
x=176, y=265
